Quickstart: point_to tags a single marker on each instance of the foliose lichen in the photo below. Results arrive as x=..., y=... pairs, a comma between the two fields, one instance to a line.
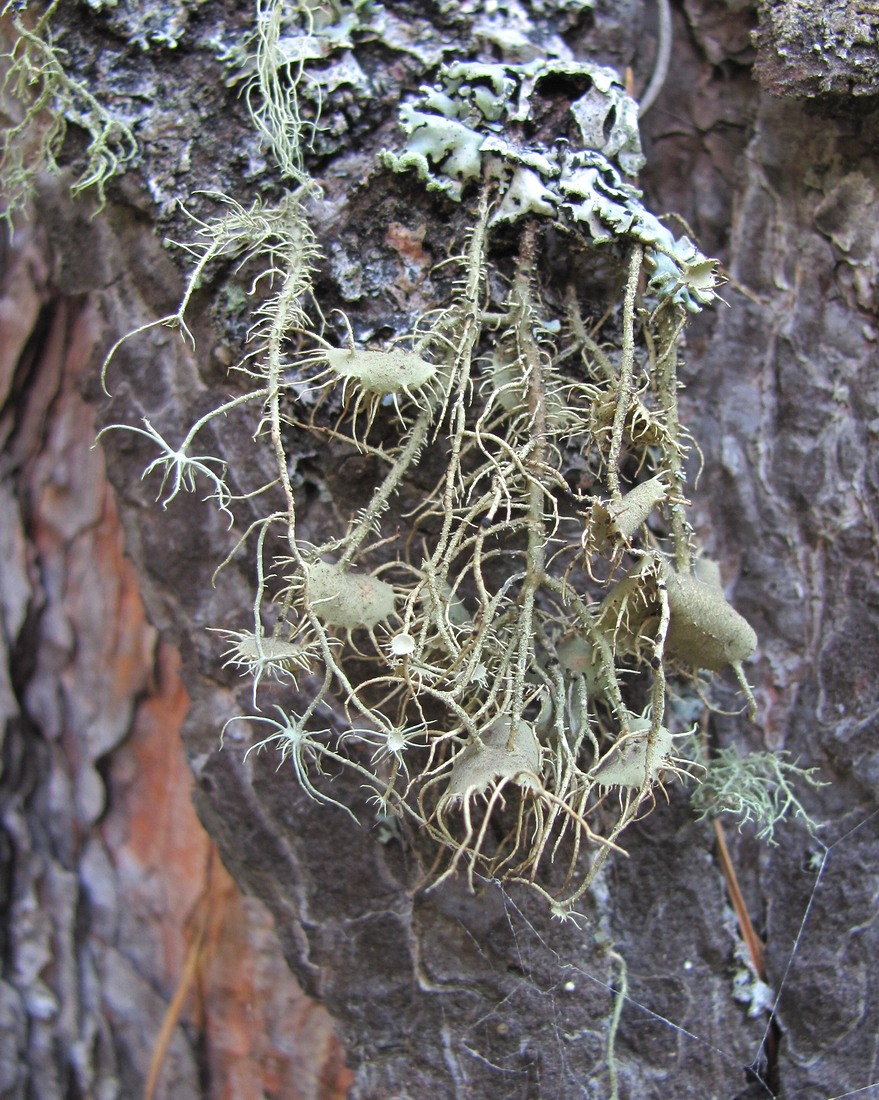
x=477, y=122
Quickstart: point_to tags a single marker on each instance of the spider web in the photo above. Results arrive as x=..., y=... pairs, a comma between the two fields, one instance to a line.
x=744, y=1076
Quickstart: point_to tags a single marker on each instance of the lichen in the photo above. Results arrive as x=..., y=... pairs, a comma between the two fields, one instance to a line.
x=50, y=99
x=758, y=788
x=504, y=646
x=472, y=124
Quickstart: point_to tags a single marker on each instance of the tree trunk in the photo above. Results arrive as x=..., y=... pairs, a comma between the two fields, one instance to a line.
x=113, y=897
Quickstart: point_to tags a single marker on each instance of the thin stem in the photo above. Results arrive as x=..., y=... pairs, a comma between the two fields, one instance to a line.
x=666, y=374
x=381, y=497
x=621, y=992
x=221, y=410
x=468, y=311
x=536, y=554
x=286, y=314
x=627, y=370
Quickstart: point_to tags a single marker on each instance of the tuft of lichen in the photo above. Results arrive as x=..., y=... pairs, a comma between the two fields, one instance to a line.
x=501, y=653
x=49, y=100
x=760, y=788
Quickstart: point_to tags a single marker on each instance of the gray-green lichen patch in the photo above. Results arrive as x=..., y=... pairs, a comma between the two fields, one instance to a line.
x=705, y=630
x=147, y=25
x=506, y=752
x=481, y=119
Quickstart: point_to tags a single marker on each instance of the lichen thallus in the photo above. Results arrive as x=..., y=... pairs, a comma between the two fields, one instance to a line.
x=505, y=667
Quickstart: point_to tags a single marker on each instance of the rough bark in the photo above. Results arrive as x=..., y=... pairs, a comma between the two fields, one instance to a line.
x=113, y=896
x=442, y=992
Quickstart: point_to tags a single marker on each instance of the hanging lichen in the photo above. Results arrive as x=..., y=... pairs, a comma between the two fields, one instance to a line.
x=503, y=664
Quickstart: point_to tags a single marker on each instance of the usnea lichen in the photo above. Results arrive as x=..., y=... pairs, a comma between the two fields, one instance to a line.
x=504, y=665
x=758, y=788
x=50, y=99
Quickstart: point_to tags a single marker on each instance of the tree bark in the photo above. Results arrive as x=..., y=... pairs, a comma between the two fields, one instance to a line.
x=770, y=156
x=114, y=900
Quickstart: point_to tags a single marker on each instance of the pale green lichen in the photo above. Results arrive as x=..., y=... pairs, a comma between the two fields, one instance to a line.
x=298, y=55
x=50, y=99
x=471, y=125
x=482, y=645
x=760, y=788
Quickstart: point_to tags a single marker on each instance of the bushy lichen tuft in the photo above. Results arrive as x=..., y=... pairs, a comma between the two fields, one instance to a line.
x=50, y=99
x=504, y=648
x=760, y=788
